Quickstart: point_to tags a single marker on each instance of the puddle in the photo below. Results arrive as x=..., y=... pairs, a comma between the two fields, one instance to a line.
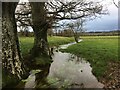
x=66, y=70
x=31, y=79
x=66, y=45
x=73, y=71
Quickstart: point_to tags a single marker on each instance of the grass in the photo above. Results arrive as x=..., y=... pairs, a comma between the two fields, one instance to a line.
x=56, y=41
x=26, y=43
x=98, y=50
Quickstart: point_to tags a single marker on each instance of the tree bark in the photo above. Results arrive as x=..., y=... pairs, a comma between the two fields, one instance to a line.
x=11, y=58
x=76, y=37
x=40, y=27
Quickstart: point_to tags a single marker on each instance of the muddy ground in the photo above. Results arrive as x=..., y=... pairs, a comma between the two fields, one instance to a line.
x=111, y=80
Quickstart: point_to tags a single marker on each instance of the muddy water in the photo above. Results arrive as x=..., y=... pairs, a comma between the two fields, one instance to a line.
x=67, y=70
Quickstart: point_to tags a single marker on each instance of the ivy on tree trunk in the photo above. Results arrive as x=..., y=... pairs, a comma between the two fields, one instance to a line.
x=11, y=58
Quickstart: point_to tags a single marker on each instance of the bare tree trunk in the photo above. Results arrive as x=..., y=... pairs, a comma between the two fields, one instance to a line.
x=11, y=57
x=40, y=27
x=76, y=36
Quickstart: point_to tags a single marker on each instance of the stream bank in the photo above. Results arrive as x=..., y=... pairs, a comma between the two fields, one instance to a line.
x=66, y=71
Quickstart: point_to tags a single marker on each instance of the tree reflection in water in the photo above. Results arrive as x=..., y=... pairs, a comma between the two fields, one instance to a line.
x=41, y=78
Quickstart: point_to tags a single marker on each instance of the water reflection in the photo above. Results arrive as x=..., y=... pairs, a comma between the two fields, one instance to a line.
x=66, y=71
x=37, y=78
x=72, y=71
x=41, y=78
x=66, y=45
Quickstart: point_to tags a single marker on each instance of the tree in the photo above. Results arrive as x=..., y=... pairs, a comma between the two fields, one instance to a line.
x=60, y=10
x=115, y=3
x=12, y=63
x=77, y=28
x=23, y=14
x=50, y=32
x=40, y=27
x=45, y=14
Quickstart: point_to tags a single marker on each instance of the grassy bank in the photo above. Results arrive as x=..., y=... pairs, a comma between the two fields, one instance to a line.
x=26, y=43
x=98, y=50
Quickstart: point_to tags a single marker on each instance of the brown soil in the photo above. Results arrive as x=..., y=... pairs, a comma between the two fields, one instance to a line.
x=111, y=80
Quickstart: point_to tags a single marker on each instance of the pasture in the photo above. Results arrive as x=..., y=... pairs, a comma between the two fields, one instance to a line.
x=98, y=50
x=26, y=43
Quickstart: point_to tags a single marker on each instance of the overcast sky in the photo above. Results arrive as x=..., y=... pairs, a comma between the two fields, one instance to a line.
x=106, y=22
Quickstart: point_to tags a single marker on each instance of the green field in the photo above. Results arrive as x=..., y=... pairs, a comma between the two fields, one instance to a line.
x=98, y=50
x=26, y=43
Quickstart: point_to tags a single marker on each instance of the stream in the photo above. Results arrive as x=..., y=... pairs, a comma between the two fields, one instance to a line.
x=66, y=71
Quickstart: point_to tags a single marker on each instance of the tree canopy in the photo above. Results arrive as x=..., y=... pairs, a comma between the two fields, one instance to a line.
x=59, y=10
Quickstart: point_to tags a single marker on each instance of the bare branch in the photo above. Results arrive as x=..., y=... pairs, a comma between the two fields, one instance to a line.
x=115, y=4
x=59, y=10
